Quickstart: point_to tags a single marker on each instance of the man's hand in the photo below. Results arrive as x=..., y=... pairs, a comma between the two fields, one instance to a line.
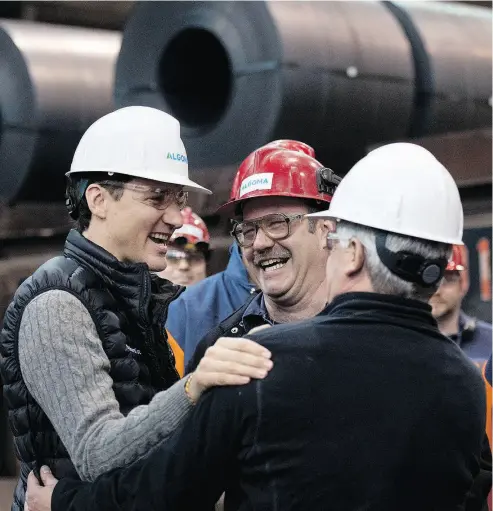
x=231, y=361
x=38, y=498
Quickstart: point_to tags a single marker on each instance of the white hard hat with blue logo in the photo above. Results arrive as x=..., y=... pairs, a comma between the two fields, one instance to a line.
x=137, y=141
x=400, y=188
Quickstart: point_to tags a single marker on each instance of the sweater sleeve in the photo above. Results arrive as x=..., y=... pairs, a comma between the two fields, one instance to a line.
x=189, y=472
x=66, y=370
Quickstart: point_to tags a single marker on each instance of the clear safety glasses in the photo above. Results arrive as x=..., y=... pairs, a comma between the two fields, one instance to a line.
x=158, y=198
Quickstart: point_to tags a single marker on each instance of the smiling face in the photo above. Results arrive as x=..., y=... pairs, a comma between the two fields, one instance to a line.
x=448, y=298
x=286, y=270
x=136, y=227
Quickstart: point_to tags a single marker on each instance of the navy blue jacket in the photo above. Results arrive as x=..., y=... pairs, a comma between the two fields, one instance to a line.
x=205, y=304
x=474, y=338
x=367, y=407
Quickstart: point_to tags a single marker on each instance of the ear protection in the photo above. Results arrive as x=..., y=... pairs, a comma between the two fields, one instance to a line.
x=411, y=267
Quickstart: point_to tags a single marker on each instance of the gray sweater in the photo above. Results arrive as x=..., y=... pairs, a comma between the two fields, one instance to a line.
x=67, y=371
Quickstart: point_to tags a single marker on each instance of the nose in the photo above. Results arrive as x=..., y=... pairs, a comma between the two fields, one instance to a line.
x=262, y=241
x=184, y=264
x=172, y=216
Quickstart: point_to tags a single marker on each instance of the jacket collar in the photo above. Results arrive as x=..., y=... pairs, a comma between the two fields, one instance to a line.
x=131, y=281
x=375, y=307
x=466, y=322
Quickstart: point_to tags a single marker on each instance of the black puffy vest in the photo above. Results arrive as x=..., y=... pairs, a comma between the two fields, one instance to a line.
x=129, y=308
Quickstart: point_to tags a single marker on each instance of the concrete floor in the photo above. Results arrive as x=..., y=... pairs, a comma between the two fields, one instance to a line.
x=7, y=485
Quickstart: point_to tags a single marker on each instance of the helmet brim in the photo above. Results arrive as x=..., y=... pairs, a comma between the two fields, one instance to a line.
x=189, y=185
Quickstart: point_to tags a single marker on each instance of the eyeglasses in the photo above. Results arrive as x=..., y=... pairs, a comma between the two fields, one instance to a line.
x=276, y=226
x=175, y=256
x=158, y=198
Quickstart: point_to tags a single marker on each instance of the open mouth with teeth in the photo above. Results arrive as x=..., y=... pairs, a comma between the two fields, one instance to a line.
x=159, y=238
x=273, y=264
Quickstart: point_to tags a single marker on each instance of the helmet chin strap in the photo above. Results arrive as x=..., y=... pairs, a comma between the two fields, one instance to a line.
x=410, y=267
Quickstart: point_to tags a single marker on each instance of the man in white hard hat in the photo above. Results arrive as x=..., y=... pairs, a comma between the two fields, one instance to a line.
x=88, y=375
x=367, y=407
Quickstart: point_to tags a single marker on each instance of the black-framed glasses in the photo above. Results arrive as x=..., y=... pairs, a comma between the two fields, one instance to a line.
x=157, y=197
x=276, y=226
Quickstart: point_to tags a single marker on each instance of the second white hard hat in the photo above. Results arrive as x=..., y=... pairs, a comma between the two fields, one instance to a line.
x=400, y=188
x=137, y=141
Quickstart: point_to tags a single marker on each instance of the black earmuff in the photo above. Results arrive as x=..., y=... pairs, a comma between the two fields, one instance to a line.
x=410, y=267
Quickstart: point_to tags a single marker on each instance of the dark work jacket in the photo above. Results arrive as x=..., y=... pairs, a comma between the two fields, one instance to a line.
x=367, y=407
x=128, y=308
x=474, y=338
x=250, y=315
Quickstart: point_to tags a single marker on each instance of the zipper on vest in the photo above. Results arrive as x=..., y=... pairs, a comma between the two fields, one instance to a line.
x=150, y=335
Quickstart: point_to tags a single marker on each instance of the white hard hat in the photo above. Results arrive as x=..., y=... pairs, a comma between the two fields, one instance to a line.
x=400, y=188
x=137, y=141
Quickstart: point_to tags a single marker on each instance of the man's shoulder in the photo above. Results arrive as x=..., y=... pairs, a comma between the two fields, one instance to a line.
x=287, y=336
x=485, y=327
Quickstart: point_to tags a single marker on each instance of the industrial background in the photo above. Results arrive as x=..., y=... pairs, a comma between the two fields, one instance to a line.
x=342, y=76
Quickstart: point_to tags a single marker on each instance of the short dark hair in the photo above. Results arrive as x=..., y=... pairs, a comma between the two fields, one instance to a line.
x=76, y=187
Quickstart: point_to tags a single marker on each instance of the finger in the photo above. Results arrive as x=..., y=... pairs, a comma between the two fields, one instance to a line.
x=232, y=368
x=242, y=344
x=26, y=506
x=258, y=329
x=47, y=477
x=32, y=480
x=221, y=354
x=222, y=379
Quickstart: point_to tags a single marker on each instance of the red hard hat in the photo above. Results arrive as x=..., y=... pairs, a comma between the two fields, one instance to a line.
x=459, y=258
x=284, y=168
x=292, y=145
x=193, y=229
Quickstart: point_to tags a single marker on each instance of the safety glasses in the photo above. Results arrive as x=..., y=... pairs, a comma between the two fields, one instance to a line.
x=175, y=256
x=156, y=197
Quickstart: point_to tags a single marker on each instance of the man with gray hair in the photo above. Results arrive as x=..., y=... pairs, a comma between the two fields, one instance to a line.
x=368, y=405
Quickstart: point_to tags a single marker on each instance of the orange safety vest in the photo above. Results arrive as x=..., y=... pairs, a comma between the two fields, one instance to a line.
x=179, y=355
x=488, y=402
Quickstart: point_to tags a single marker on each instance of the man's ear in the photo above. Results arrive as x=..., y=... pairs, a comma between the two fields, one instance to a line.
x=355, y=257
x=97, y=200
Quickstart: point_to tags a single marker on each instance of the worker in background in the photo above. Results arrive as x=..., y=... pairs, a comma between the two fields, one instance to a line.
x=88, y=374
x=473, y=336
x=368, y=406
x=219, y=295
x=188, y=251
x=186, y=264
x=283, y=250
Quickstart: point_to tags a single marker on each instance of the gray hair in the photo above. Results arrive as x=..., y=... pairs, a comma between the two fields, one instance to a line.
x=382, y=279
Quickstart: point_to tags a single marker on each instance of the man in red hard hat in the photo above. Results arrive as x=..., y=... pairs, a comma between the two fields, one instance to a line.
x=188, y=251
x=472, y=335
x=281, y=177
x=274, y=188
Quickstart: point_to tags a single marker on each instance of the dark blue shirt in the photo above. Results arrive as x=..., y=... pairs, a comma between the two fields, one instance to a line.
x=474, y=338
